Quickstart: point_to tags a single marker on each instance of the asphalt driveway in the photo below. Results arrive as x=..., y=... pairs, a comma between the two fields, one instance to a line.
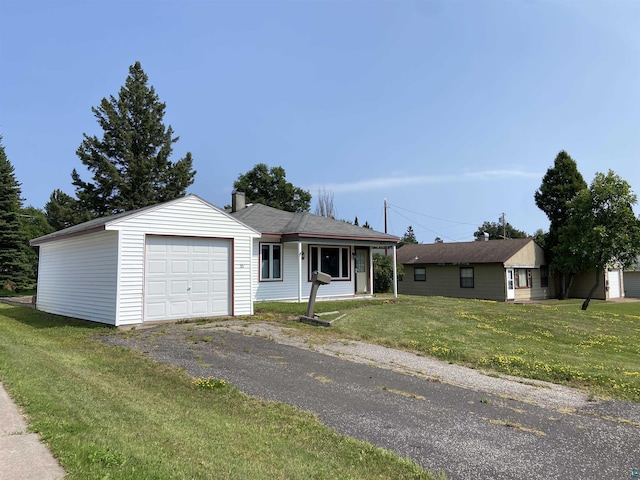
x=474, y=431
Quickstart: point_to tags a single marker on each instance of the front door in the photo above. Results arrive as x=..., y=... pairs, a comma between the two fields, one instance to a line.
x=362, y=270
x=511, y=287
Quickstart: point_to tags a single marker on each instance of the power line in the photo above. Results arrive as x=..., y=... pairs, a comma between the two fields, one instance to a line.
x=412, y=221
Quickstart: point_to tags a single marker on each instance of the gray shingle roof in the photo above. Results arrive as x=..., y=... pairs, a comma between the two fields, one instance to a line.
x=493, y=251
x=294, y=225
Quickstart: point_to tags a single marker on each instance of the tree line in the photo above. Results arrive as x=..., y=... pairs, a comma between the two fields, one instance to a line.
x=130, y=167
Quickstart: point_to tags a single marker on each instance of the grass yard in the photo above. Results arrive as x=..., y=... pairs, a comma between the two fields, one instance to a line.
x=597, y=349
x=111, y=413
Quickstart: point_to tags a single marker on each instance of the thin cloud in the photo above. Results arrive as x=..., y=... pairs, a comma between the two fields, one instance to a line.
x=387, y=183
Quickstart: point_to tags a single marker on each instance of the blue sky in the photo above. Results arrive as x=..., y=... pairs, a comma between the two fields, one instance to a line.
x=451, y=110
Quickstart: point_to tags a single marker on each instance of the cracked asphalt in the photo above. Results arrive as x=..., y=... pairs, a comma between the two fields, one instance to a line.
x=444, y=417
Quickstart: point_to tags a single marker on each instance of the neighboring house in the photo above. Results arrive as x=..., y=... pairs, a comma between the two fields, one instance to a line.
x=612, y=284
x=502, y=270
x=189, y=259
x=631, y=278
x=293, y=245
x=182, y=259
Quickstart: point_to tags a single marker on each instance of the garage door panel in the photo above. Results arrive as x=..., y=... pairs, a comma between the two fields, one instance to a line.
x=156, y=267
x=179, y=246
x=155, y=288
x=179, y=308
x=200, y=287
x=200, y=307
x=156, y=310
x=187, y=277
x=200, y=266
x=180, y=266
x=178, y=287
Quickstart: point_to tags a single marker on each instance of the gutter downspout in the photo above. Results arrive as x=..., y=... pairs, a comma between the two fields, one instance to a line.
x=299, y=272
x=395, y=274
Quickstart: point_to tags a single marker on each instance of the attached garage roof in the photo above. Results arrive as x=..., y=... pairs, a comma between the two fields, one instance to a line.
x=296, y=225
x=493, y=251
x=102, y=223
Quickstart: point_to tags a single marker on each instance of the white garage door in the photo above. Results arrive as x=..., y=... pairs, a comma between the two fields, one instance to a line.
x=613, y=277
x=187, y=278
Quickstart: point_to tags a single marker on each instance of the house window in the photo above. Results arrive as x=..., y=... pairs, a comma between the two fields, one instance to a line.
x=419, y=274
x=523, y=277
x=466, y=277
x=270, y=261
x=334, y=261
x=544, y=276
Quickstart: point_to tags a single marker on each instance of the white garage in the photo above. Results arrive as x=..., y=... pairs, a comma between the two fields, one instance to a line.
x=181, y=259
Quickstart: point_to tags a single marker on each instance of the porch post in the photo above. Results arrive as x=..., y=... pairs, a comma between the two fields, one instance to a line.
x=299, y=272
x=395, y=274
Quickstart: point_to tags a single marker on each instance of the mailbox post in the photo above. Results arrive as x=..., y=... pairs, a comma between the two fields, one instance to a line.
x=318, y=278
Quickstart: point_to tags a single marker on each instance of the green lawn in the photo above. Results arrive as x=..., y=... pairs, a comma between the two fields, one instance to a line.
x=111, y=413
x=597, y=349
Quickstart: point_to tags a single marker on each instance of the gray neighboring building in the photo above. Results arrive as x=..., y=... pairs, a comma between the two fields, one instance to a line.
x=632, y=281
x=501, y=270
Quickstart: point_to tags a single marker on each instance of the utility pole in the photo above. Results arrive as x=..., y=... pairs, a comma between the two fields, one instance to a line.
x=504, y=228
x=385, y=224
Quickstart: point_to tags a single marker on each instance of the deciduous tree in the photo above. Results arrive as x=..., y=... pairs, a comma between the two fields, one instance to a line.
x=130, y=163
x=326, y=206
x=601, y=230
x=497, y=231
x=270, y=187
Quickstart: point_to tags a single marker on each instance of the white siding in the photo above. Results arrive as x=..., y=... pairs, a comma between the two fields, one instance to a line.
x=287, y=289
x=78, y=277
x=187, y=217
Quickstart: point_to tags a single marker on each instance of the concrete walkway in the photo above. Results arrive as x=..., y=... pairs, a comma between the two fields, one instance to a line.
x=22, y=455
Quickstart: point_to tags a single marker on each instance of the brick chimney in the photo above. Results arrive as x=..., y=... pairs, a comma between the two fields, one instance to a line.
x=238, y=201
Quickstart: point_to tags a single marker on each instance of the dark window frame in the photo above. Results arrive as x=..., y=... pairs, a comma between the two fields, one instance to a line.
x=332, y=263
x=422, y=277
x=467, y=281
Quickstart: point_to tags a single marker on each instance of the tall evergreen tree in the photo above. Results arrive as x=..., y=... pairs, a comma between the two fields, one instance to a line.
x=14, y=262
x=409, y=237
x=34, y=225
x=63, y=211
x=130, y=164
x=559, y=187
x=270, y=187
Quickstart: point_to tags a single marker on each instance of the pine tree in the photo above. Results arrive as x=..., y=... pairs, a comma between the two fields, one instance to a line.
x=130, y=164
x=560, y=185
x=63, y=211
x=14, y=264
x=409, y=237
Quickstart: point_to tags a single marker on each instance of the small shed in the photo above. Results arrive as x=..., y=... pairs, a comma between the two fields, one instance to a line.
x=181, y=259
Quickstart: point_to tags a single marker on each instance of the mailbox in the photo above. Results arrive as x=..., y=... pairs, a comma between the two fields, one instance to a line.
x=318, y=278
x=321, y=278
